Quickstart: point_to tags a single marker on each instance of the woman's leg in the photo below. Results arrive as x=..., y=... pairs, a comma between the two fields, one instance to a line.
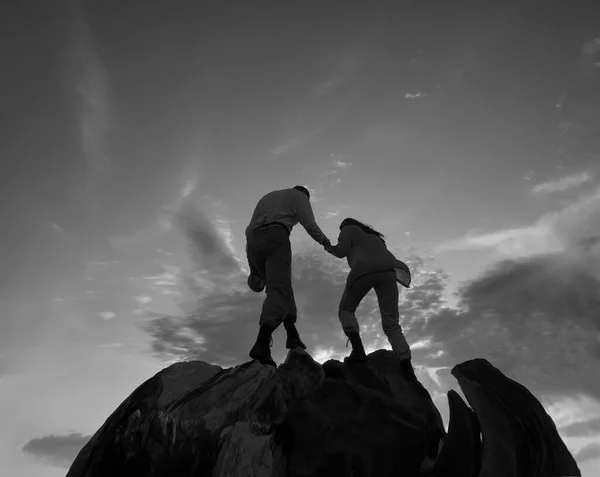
x=353, y=295
x=351, y=298
x=386, y=289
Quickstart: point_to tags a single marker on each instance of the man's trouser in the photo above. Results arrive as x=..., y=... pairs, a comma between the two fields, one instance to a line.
x=269, y=254
x=385, y=286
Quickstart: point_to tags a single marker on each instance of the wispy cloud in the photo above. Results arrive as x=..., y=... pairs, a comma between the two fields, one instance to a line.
x=57, y=228
x=328, y=86
x=92, y=89
x=295, y=142
x=188, y=187
x=318, y=108
x=107, y=314
x=330, y=178
x=163, y=223
x=415, y=95
x=143, y=299
x=57, y=450
x=589, y=63
x=342, y=165
x=566, y=228
x=330, y=214
x=168, y=280
x=145, y=235
x=105, y=263
x=562, y=184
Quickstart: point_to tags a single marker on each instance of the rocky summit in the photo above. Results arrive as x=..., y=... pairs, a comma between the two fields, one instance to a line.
x=304, y=419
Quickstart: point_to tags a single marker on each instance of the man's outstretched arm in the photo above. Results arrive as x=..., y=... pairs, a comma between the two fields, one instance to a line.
x=306, y=217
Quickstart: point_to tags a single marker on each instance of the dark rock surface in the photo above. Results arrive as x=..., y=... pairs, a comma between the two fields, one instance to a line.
x=519, y=438
x=307, y=420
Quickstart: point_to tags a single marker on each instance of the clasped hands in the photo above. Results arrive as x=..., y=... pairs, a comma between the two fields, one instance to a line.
x=328, y=247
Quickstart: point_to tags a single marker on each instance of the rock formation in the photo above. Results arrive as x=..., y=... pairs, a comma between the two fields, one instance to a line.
x=307, y=420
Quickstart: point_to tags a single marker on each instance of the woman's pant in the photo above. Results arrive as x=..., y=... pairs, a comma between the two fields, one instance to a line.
x=386, y=290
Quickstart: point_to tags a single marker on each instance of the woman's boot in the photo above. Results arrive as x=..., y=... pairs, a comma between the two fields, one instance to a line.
x=358, y=351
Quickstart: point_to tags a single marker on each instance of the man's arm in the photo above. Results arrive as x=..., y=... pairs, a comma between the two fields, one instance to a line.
x=306, y=218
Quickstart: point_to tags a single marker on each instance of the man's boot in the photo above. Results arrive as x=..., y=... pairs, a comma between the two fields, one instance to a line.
x=358, y=351
x=261, y=351
x=293, y=338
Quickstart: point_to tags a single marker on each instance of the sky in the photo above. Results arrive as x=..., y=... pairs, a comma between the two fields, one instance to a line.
x=137, y=137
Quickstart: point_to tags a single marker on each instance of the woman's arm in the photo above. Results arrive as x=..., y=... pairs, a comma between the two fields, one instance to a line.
x=344, y=244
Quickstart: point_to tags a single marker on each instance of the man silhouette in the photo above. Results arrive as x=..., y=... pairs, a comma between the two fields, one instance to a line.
x=269, y=254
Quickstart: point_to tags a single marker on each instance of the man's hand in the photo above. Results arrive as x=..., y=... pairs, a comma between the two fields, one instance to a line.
x=328, y=247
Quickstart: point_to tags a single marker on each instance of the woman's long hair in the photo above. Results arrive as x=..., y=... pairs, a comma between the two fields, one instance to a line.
x=365, y=228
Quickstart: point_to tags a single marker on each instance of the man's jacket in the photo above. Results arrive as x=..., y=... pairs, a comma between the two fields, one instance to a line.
x=288, y=207
x=365, y=253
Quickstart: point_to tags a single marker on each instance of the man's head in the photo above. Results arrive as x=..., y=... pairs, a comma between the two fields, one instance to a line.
x=303, y=189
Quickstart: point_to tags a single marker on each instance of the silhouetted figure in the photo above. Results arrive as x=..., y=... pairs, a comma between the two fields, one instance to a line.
x=372, y=265
x=270, y=258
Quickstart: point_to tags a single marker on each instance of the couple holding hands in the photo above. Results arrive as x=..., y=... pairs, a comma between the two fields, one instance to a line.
x=372, y=265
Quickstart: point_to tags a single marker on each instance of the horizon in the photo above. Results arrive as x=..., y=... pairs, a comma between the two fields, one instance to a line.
x=138, y=139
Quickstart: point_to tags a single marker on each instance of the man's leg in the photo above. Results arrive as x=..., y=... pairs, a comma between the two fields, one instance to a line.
x=274, y=250
x=279, y=302
x=351, y=298
x=387, y=297
x=256, y=279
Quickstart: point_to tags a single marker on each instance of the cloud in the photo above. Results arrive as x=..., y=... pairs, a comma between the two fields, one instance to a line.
x=533, y=318
x=144, y=235
x=415, y=95
x=169, y=279
x=143, y=299
x=57, y=450
x=296, y=142
x=328, y=179
x=102, y=263
x=207, y=248
x=562, y=184
x=313, y=115
x=107, y=314
x=330, y=214
x=188, y=187
x=328, y=86
x=342, y=165
x=589, y=59
x=92, y=89
x=57, y=228
x=567, y=228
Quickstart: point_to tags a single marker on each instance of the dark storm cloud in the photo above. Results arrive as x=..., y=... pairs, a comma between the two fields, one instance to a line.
x=58, y=450
x=535, y=319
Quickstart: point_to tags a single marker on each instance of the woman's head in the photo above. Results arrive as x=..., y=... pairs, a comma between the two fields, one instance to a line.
x=364, y=227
